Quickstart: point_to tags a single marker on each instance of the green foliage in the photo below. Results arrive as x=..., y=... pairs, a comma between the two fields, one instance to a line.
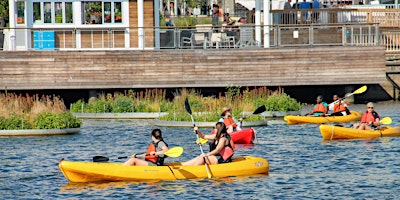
x=4, y=8
x=48, y=120
x=14, y=123
x=101, y=106
x=207, y=109
x=281, y=102
x=122, y=105
x=185, y=21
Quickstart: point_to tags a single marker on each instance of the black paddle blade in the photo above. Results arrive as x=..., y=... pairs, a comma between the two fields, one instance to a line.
x=123, y=157
x=187, y=106
x=100, y=159
x=260, y=110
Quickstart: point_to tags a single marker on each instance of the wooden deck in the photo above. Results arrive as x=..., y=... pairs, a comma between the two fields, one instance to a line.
x=41, y=70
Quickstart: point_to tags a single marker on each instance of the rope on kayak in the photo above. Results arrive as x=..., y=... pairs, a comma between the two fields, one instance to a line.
x=332, y=132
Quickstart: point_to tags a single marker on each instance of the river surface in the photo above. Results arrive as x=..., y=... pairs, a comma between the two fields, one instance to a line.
x=302, y=166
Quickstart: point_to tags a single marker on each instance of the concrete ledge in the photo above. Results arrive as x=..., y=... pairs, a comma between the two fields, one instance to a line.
x=40, y=132
x=279, y=113
x=202, y=124
x=138, y=115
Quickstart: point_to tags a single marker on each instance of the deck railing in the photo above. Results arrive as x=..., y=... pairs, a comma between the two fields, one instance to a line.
x=244, y=36
x=384, y=17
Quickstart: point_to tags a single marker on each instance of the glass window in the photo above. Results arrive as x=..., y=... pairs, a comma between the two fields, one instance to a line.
x=59, y=12
x=37, y=14
x=107, y=12
x=92, y=12
x=20, y=12
x=68, y=12
x=47, y=12
x=117, y=12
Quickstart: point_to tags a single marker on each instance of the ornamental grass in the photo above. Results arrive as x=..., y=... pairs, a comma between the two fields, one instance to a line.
x=22, y=111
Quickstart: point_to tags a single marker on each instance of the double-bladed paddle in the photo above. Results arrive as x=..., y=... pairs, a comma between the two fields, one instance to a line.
x=172, y=152
x=386, y=120
x=187, y=107
x=358, y=91
x=259, y=110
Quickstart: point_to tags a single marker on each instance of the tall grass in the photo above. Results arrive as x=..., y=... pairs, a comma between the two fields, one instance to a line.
x=34, y=111
x=243, y=102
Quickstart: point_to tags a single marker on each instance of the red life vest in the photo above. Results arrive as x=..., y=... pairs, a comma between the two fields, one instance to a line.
x=229, y=121
x=158, y=160
x=227, y=151
x=339, y=107
x=369, y=117
x=319, y=108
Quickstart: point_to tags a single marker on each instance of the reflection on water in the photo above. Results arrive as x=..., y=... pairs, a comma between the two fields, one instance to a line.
x=301, y=164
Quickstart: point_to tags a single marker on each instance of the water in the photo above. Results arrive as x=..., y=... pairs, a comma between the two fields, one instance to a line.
x=302, y=166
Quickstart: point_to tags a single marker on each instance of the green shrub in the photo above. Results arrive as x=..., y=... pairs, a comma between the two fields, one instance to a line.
x=49, y=120
x=122, y=104
x=14, y=123
x=101, y=106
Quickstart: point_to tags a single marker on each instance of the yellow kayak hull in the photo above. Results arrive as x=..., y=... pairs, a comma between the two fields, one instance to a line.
x=354, y=116
x=329, y=132
x=99, y=172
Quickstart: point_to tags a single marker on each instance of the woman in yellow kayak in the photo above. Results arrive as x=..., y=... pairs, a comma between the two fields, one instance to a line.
x=221, y=151
x=155, y=152
x=319, y=109
x=370, y=119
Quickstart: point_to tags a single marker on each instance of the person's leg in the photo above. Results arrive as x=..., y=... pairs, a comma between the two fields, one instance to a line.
x=194, y=161
x=136, y=162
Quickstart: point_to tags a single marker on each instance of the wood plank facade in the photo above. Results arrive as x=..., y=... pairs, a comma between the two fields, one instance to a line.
x=40, y=70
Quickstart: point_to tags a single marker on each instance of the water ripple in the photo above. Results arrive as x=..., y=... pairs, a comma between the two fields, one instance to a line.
x=302, y=166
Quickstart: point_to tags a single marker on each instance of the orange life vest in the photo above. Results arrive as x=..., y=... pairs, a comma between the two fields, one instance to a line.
x=339, y=107
x=151, y=148
x=229, y=121
x=319, y=108
x=369, y=117
x=158, y=160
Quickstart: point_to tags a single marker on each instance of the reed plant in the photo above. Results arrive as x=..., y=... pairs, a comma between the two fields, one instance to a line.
x=149, y=100
x=23, y=111
x=242, y=101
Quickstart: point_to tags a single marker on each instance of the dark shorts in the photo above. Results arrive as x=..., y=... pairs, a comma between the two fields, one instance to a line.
x=221, y=160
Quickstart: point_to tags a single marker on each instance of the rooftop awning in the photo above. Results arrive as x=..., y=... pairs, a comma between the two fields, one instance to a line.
x=249, y=4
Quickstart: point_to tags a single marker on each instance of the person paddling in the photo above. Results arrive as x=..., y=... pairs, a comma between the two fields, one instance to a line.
x=221, y=150
x=369, y=120
x=319, y=109
x=155, y=152
x=339, y=106
x=230, y=122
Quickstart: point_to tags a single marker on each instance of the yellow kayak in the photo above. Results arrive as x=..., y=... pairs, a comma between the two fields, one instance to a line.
x=329, y=132
x=99, y=172
x=291, y=119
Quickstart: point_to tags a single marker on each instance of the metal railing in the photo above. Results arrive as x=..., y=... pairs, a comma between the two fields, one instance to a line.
x=385, y=17
x=281, y=35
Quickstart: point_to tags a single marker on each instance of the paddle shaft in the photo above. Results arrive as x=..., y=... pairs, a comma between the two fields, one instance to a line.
x=187, y=106
x=358, y=91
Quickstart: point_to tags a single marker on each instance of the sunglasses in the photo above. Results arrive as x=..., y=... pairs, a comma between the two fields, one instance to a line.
x=371, y=107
